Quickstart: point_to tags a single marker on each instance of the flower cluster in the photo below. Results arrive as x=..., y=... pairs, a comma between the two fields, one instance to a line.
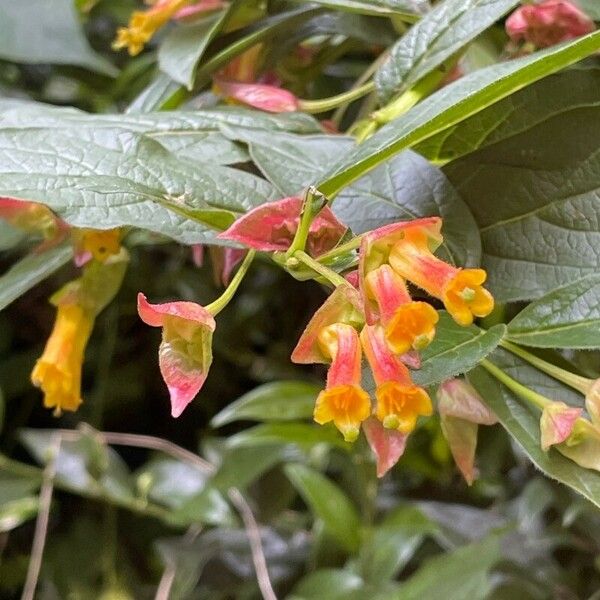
x=381, y=320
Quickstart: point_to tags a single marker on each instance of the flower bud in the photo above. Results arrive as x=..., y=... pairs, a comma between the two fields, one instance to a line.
x=557, y=423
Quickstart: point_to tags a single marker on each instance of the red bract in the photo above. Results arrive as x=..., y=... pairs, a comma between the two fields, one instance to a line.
x=269, y=98
x=557, y=423
x=386, y=444
x=271, y=227
x=548, y=23
x=185, y=352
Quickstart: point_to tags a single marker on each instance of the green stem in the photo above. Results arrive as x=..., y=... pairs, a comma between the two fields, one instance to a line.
x=577, y=382
x=322, y=270
x=325, y=104
x=353, y=244
x=306, y=218
x=225, y=298
x=519, y=389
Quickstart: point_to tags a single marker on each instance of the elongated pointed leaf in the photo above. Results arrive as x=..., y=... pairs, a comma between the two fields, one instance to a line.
x=114, y=177
x=452, y=104
x=29, y=271
x=47, y=32
x=566, y=318
x=522, y=423
x=277, y=401
x=405, y=8
x=436, y=37
x=328, y=503
x=455, y=350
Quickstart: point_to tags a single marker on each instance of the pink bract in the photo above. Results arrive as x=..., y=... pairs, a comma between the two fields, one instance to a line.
x=265, y=97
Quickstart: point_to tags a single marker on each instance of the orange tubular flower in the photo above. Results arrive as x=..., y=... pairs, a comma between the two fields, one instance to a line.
x=343, y=401
x=408, y=324
x=460, y=290
x=95, y=243
x=58, y=371
x=144, y=24
x=399, y=400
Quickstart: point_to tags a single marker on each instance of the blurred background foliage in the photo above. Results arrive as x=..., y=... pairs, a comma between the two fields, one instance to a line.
x=136, y=518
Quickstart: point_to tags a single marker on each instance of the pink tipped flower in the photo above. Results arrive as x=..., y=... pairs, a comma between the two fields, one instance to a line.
x=271, y=227
x=191, y=12
x=269, y=98
x=548, y=23
x=461, y=412
x=386, y=444
x=460, y=290
x=185, y=352
x=399, y=400
x=557, y=423
x=408, y=325
x=343, y=401
x=342, y=306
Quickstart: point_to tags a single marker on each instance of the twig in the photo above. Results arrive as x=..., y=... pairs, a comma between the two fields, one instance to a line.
x=163, y=591
x=41, y=524
x=253, y=532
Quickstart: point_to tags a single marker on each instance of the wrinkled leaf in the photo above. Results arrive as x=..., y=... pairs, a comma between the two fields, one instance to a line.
x=566, y=318
x=435, y=38
x=452, y=104
x=455, y=350
x=405, y=188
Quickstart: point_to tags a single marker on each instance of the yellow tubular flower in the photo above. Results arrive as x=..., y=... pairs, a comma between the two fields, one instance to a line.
x=101, y=244
x=399, y=405
x=58, y=371
x=465, y=298
x=144, y=24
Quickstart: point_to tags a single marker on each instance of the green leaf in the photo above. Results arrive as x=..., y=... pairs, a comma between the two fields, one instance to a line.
x=119, y=178
x=46, y=32
x=393, y=543
x=452, y=104
x=85, y=465
x=409, y=9
x=536, y=203
x=523, y=425
x=29, y=271
x=569, y=317
x=408, y=187
x=333, y=584
x=276, y=401
x=568, y=90
x=442, y=32
x=17, y=512
x=301, y=434
x=455, y=350
x=162, y=93
x=463, y=573
x=290, y=161
x=328, y=503
x=182, y=49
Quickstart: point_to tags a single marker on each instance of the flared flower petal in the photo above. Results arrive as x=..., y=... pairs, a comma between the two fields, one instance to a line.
x=460, y=289
x=343, y=401
x=548, y=23
x=185, y=352
x=268, y=98
x=95, y=244
x=342, y=306
x=58, y=371
x=399, y=401
x=408, y=325
x=272, y=226
x=144, y=24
